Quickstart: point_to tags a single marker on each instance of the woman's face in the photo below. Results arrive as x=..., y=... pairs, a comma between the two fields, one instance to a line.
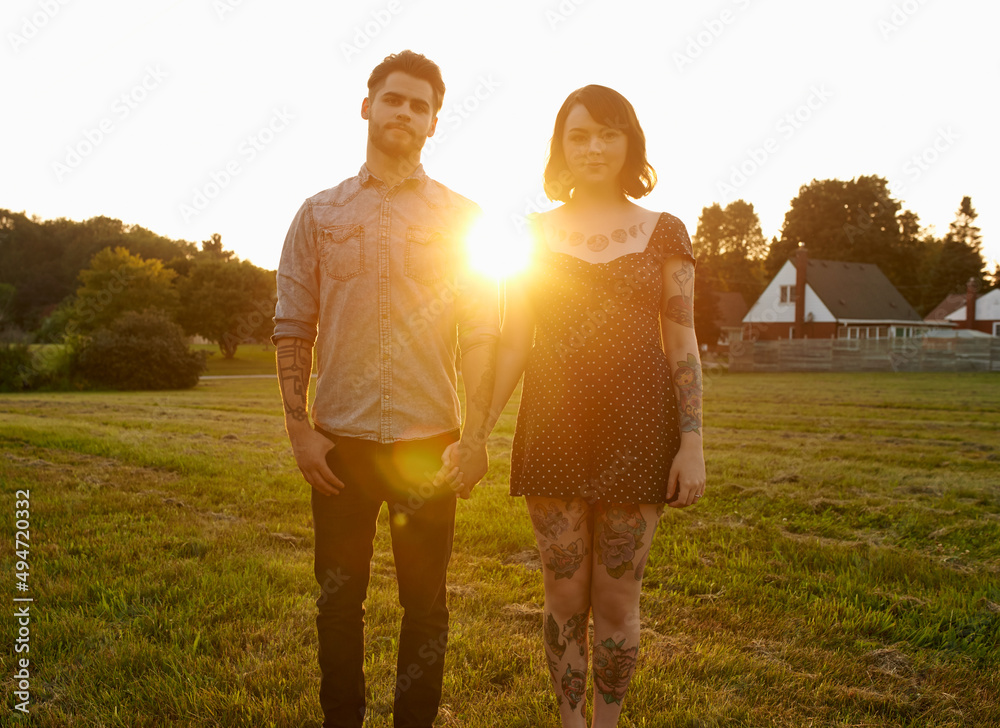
x=595, y=153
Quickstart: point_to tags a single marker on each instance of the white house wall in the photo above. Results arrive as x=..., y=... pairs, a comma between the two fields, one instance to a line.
x=987, y=308
x=769, y=309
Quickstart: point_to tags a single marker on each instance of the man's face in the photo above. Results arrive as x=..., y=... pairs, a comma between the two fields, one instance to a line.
x=401, y=116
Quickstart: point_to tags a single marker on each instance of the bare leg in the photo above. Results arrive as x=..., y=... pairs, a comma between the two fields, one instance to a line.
x=563, y=532
x=622, y=537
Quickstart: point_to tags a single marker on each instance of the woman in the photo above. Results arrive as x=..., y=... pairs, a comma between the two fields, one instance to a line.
x=609, y=426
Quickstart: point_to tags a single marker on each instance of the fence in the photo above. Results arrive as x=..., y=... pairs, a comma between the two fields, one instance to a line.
x=917, y=354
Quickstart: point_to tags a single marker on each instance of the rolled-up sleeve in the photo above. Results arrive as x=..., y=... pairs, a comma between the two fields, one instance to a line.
x=297, y=311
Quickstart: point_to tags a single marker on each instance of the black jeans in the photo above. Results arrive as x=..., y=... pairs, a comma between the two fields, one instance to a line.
x=422, y=525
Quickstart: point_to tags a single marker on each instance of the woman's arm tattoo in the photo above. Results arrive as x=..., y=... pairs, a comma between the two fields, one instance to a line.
x=680, y=308
x=687, y=376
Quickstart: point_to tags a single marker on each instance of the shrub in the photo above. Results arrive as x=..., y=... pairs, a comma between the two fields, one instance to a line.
x=139, y=351
x=17, y=368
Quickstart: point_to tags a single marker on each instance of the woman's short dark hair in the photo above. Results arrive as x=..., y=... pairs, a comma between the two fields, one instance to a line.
x=610, y=108
x=414, y=64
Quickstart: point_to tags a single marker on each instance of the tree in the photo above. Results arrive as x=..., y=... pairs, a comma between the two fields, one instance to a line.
x=994, y=277
x=118, y=281
x=7, y=292
x=730, y=248
x=212, y=249
x=228, y=302
x=706, y=310
x=854, y=221
x=956, y=258
x=962, y=252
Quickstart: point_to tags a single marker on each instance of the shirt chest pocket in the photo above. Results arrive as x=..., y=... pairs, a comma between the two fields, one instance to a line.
x=342, y=251
x=428, y=253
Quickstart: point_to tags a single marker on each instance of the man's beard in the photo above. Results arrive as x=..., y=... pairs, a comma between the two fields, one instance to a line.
x=407, y=150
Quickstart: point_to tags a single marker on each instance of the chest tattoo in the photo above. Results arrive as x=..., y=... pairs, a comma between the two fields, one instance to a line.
x=599, y=241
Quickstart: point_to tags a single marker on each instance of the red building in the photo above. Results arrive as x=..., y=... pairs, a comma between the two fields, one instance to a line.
x=980, y=313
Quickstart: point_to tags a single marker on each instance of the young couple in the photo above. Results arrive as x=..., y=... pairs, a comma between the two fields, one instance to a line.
x=374, y=275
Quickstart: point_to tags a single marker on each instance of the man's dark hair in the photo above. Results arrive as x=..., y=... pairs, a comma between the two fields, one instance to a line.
x=413, y=64
x=610, y=108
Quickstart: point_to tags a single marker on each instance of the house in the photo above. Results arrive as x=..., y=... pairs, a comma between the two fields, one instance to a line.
x=826, y=299
x=978, y=314
x=731, y=308
x=951, y=303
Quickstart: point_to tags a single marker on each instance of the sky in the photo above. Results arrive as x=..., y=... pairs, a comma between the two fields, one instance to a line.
x=194, y=117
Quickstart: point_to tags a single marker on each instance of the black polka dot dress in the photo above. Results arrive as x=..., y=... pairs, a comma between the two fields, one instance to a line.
x=598, y=416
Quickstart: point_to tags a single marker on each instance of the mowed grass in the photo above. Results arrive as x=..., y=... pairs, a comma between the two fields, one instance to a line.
x=842, y=570
x=249, y=359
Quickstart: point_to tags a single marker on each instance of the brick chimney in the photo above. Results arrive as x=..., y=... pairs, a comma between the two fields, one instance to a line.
x=801, y=264
x=970, y=303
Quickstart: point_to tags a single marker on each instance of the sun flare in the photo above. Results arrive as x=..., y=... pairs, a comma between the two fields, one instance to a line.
x=499, y=248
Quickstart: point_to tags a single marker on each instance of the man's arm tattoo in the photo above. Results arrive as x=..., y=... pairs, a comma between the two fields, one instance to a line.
x=479, y=404
x=294, y=371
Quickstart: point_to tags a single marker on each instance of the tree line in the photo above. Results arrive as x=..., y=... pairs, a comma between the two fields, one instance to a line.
x=62, y=278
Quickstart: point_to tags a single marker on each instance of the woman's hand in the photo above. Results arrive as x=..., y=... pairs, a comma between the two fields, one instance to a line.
x=686, y=483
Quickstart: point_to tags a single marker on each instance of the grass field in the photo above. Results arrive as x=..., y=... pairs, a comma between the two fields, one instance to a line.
x=249, y=359
x=842, y=570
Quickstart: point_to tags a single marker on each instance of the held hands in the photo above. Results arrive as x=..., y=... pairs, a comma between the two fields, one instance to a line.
x=686, y=483
x=465, y=465
x=310, y=449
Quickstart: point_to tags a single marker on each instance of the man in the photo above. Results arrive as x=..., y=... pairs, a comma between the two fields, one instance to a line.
x=374, y=273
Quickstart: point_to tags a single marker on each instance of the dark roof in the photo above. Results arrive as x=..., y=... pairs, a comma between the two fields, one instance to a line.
x=951, y=303
x=732, y=307
x=857, y=291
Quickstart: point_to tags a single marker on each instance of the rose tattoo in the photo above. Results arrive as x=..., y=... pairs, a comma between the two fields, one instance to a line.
x=574, y=686
x=565, y=561
x=613, y=667
x=620, y=538
x=549, y=521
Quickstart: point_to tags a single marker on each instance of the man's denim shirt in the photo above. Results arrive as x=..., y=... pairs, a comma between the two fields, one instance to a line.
x=383, y=275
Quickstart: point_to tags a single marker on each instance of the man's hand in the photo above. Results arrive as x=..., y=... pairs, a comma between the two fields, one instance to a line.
x=310, y=449
x=447, y=474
